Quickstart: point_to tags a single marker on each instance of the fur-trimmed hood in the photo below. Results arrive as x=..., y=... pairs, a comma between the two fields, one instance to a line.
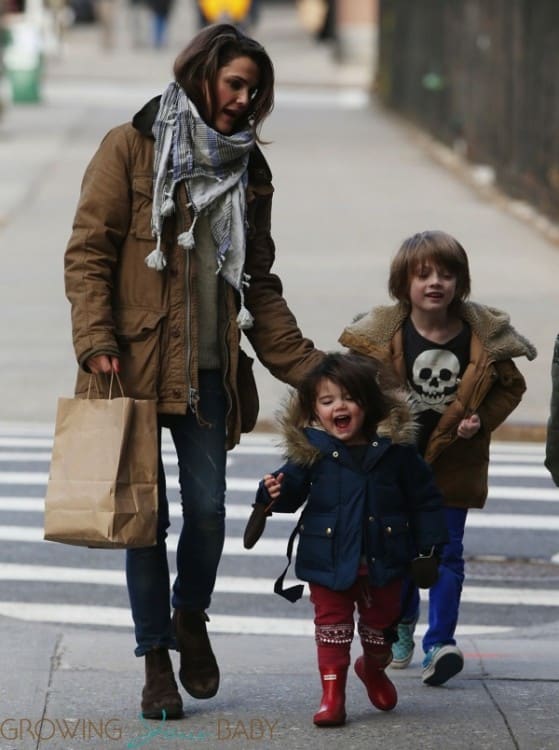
x=400, y=426
x=375, y=329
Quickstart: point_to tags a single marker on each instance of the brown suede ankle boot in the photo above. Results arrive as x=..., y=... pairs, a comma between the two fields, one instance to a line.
x=199, y=672
x=160, y=696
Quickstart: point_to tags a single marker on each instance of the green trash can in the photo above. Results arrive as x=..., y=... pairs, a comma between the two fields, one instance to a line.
x=25, y=84
x=23, y=62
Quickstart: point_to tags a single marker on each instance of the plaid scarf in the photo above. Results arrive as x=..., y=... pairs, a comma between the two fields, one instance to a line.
x=214, y=169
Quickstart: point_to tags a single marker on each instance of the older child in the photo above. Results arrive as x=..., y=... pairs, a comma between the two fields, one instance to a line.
x=456, y=359
x=371, y=505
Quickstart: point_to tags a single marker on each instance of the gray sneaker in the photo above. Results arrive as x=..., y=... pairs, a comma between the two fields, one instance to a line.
x=441, y=663
x=402, y=649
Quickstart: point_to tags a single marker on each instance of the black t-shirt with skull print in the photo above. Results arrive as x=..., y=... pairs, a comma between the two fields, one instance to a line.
x=434, y=372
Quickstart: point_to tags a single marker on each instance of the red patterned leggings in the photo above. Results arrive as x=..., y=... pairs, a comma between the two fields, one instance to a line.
x=378, y=608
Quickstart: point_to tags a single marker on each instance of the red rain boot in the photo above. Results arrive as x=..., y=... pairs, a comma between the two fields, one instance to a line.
x=331, y=712
x=370, y=670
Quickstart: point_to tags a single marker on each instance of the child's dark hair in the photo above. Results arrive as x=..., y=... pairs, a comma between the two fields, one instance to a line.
x=354, y=373
x=420, y=249
x=197, y=66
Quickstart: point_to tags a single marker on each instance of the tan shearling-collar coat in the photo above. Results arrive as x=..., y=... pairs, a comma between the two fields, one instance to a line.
x=491, y=386
x=148, y=318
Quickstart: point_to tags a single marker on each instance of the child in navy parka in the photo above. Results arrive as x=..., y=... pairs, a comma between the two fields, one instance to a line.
x=371, y=507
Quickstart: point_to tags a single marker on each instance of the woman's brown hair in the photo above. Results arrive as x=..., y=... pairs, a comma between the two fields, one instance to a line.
x=196, y=69
x=432, y=246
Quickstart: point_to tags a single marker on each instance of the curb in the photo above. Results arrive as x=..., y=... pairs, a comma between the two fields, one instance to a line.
x=521, y=433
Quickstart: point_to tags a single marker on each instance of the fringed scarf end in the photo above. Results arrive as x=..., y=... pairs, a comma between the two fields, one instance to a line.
x=244, y=319
x=186, y=239
x=156, y=258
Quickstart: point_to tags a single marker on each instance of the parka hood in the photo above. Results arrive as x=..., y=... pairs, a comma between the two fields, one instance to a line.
x=374, y=330
x=400, y=426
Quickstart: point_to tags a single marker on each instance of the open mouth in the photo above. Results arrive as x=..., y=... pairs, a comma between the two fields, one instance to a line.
x=342, y=422
x=229, y=113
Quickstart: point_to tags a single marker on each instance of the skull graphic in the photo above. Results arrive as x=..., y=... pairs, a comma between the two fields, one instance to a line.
x=435, y=378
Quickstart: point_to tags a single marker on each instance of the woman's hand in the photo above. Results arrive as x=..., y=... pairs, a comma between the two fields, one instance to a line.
x=273, y=485
x=469, y=427
x=103, y=363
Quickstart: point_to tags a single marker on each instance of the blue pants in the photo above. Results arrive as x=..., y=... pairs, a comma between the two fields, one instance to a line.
x=201, y=458
x=444, y=596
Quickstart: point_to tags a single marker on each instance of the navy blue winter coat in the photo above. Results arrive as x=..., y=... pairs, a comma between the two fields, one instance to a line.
x=385, y=510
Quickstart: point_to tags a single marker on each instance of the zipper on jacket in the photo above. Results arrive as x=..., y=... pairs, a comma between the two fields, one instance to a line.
x=225, y=369
x=193, y=399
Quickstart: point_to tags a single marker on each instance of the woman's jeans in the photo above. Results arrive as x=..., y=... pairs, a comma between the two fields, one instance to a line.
x=444, y=596
x=201, y=458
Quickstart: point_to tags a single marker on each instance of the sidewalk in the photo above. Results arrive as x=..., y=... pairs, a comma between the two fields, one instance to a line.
x=88, y=682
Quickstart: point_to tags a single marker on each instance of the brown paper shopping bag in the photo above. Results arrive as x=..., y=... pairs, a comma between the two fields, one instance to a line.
x=102, y=487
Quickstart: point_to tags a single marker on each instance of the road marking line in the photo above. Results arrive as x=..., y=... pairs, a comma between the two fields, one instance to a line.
x=261, y=586
x=476, y=519
x=170, y=458
x=486, y=520
x=230, y=624
x=243, y=484
x=233, y=545
x=537, y=494
x=518, y=471
x=25, y=503
x=34, y=479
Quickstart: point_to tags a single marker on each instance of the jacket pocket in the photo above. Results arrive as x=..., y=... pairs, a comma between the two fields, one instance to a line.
x=248, y=393
x=136, y=324
x=138, y=333
x=397, y=540
x=316, y=544
x=142, y=197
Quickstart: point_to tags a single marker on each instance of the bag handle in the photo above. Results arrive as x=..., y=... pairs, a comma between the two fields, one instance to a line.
x=93, y=379
x=115, y=375
x=293, y=593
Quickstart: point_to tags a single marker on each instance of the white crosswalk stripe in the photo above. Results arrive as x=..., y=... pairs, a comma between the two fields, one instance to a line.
x=529, y=508
x=238, y=624
x=264, y=586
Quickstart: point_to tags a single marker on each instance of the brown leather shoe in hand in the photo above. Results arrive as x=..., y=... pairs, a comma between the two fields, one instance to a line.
x=256, y=524
x=199, y=672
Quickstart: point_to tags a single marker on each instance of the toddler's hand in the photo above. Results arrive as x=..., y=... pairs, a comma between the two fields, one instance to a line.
x=273, y=485
x=469, y=426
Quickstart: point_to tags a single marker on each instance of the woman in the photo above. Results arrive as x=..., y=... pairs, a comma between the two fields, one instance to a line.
x=187, y=170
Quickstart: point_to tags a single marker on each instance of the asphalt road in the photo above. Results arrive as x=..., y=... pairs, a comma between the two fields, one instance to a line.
x=510, y=547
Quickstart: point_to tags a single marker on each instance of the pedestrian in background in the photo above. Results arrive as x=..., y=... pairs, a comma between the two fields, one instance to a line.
x=371, y=506
x=139, y=18
x=160, y=11
x=186, y=175
x=105, y=14
x=552, y=437
x=455, y=357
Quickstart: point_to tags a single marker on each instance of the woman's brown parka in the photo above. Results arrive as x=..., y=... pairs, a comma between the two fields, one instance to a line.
x=491, y=386
x=148, y=318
